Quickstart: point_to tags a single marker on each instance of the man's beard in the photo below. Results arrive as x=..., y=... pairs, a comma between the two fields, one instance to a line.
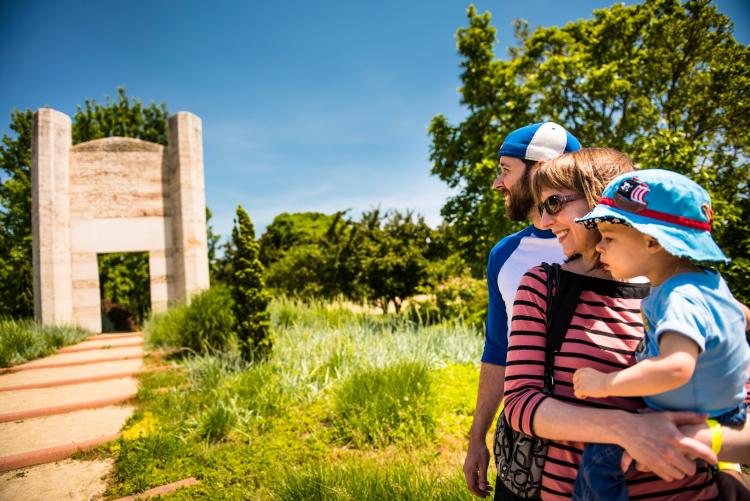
x=519, y=200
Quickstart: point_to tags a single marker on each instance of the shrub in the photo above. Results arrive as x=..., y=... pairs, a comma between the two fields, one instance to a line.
x=206, y=325
x=250, y=298
x=23, y=340
x=458, y=298
x=384, y=405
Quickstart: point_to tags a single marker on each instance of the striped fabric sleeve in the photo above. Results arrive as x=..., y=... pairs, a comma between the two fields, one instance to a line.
x=524, y=373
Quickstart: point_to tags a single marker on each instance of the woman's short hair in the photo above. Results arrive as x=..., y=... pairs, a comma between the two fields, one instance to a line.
x=586, y=171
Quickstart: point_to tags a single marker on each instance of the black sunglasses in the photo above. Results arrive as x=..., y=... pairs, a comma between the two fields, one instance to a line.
x=555, y=203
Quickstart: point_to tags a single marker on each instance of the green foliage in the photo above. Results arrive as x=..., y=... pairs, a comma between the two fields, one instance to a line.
x=23, y=340
x=288, y=231
x=384, y=257
x=380, y=406
x=300, y=272
x=368, y=482
x=16, y=274
x=250, y=298
x=217, y=421
x=313, y=255
x=212, y=239
x=461, y=298
x=394, y=263
x=120, y=117
x=124, y=279
x=206, y=325
x=664, y=81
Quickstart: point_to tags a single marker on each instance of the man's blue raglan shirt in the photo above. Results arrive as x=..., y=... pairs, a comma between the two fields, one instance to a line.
x=509, y=260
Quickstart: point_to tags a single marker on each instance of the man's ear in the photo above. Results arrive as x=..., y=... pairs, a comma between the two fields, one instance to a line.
x=652, y=246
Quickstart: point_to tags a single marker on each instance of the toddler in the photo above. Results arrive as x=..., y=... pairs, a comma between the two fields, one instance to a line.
x=694, y=355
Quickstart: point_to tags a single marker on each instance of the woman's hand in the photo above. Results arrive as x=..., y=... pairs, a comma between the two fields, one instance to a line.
x=655, y=442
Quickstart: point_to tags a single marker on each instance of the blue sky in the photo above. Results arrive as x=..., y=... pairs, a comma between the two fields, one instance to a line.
x=306, y=105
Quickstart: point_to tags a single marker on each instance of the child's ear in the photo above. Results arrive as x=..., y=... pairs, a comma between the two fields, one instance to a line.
x=652, y=246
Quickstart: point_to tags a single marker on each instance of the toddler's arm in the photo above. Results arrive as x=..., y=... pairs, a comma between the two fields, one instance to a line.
x=671, y=369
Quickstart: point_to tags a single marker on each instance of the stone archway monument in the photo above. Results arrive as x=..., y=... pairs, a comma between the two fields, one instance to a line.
x=114, y=195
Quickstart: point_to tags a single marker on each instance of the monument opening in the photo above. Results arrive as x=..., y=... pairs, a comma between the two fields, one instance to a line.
x=124, y=290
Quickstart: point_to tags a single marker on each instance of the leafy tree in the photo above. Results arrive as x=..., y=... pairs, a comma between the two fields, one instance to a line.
x=212, y=239
x=250, y=298
x=290, y=230
x=16, y=273
x=664, y=81
x=395, y=264
x=123, y=117
x=310, y=254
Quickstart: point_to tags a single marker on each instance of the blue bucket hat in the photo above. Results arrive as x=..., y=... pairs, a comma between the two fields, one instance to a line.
x=540, y=141
x=664, y=205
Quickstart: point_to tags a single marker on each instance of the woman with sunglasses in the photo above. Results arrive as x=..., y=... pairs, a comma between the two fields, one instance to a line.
x=603, y=332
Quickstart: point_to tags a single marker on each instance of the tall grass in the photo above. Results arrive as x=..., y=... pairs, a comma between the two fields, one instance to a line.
x=362, y=482
x=23, y=340
x=318, y=344
x=380, y=406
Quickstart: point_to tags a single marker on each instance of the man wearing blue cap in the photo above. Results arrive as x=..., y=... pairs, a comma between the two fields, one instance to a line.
x=521, y=152
x=694, y=356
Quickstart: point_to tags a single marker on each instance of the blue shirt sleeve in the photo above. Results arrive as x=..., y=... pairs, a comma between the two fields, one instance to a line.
x=683, y=314
x=496, y=337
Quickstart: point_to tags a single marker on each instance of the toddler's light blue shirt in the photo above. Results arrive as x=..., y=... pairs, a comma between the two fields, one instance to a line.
x=700, y=306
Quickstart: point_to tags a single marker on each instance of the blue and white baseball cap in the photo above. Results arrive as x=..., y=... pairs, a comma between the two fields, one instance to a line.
x=662, y=204
x=540, y=141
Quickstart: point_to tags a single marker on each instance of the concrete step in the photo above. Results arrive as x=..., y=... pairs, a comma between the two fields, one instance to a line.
x=42, y=378
x=30, y=403
x=52, y=438
x=81, y=358
x=120, y=335
x=103, y=343
x=66, y=480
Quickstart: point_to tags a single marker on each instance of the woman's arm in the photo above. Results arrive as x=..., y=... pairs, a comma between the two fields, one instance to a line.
x=653, y=438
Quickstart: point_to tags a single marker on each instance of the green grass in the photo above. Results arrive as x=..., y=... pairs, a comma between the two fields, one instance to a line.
x=363, y=482
x=23, y=340
x=361, y=406
x=379, y=406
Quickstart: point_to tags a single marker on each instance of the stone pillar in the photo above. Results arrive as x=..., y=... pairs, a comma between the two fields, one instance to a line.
x=50, y=206
x=86, y=302
x=157, y=265
x=188, y=204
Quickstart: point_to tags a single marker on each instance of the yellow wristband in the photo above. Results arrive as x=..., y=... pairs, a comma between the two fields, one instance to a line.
x=715, y=428
x=724, y=465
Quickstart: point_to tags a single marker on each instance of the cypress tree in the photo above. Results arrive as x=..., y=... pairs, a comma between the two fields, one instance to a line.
x=250, y=298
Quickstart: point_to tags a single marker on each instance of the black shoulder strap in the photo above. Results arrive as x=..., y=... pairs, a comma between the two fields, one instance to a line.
x=561, y=302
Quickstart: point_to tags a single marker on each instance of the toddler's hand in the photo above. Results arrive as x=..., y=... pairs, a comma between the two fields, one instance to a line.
x=588, y=382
